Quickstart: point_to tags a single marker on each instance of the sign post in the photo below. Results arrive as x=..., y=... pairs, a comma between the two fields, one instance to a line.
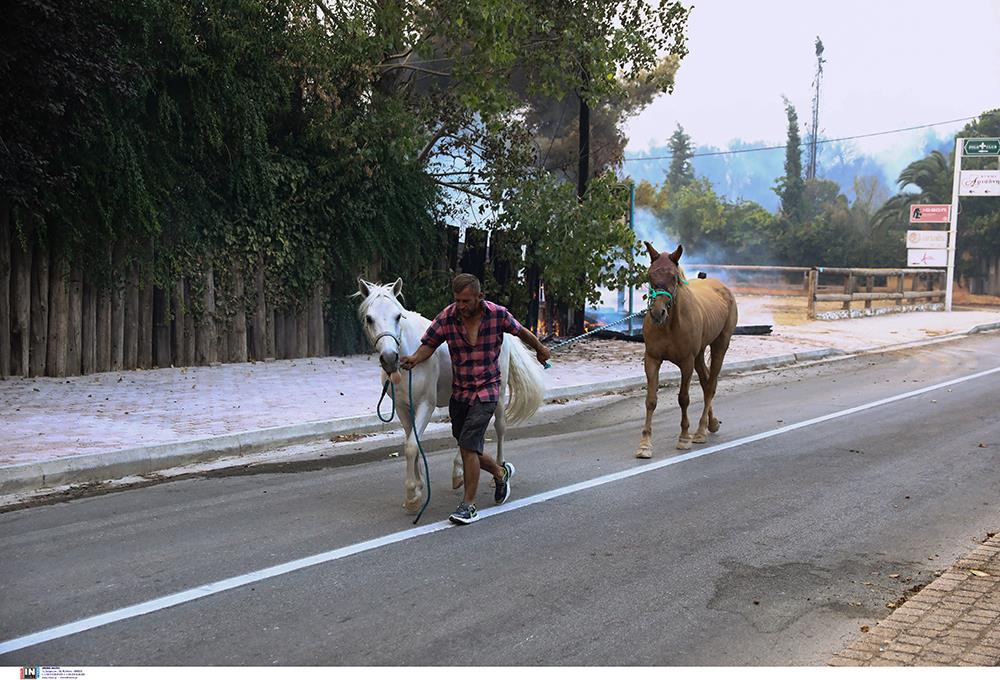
x=953, y=226
x=975, y=183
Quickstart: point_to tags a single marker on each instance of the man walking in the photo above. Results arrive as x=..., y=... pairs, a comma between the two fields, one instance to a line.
x=473, y=327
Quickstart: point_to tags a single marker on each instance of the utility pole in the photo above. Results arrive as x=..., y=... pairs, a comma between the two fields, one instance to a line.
x=583, y=175
x=814, y=135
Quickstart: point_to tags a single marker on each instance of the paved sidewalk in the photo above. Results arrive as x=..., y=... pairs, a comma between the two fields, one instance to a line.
x=953, y=621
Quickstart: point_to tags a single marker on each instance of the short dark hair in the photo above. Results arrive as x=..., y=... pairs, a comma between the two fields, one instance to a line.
x=463, y=281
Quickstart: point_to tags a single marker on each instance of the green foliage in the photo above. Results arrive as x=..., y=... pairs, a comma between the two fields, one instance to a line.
x=315, y=139
x=791, y=187
x=681, y=172
x=576, y=245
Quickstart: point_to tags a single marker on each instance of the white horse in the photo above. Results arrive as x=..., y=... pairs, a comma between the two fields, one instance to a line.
x=395, y=332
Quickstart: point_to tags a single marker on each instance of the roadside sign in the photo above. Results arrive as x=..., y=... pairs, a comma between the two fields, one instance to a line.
x=981, y=147
x=926, y=257
x=979, y=183
x=930, y=213
x=926, y=239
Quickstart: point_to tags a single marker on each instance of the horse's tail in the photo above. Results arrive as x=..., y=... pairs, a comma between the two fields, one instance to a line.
x=525, y=382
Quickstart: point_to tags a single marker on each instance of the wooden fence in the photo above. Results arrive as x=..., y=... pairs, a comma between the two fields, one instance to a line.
x=906, y=287
x=55, y=320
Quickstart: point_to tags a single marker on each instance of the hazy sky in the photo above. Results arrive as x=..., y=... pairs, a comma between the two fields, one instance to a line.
x=888, y=65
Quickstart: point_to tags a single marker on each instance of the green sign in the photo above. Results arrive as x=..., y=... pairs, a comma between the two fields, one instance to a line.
x=981, y=147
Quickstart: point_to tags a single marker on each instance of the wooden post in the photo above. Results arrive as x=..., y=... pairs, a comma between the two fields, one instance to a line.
x=39, y=310
x=21, y=296
x=869, y=285
x=238, y=322
x=190, y=334
x=105, y=331
x=74, y=333
x=130, y=347
x=177, y=327
x=145, y=355
x=222, y=317
x=118, y=289
x=88, y=358
x=161, y=328
x=258, y=343
x=270, y=334
x=206, y=341
x=316, y=345
x=848, y=289
x=5, y=270
x=811, y=295
x=55, y=361
x=302, y=330
x=279, y=335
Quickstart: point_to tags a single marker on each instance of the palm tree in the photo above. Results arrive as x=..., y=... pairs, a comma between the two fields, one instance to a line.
x=931, y=175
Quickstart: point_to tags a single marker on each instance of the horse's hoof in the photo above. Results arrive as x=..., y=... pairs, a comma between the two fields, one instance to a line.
x=413, y=507
x=713, y=425
x=644, y=452
x=457, y=482
x=699, y=438
x=683, y=444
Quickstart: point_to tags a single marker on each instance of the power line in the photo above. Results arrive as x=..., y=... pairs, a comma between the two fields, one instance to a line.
x=822, y=141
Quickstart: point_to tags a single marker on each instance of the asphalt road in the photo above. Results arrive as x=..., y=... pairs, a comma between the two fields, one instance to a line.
x=771, y=550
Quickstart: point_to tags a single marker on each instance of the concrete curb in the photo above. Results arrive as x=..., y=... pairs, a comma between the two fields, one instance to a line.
x=143, y=460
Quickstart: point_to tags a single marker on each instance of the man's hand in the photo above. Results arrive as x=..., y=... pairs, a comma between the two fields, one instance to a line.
x=422, y=354
x=543, y=353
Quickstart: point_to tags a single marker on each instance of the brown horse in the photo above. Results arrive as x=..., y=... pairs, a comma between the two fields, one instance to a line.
x=684, y=318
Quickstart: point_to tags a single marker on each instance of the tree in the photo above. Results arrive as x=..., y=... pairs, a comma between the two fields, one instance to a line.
x=791, y=187
x=681, y=172
x=931, y=176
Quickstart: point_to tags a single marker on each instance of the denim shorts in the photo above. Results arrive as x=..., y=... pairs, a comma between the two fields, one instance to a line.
x=469, y=423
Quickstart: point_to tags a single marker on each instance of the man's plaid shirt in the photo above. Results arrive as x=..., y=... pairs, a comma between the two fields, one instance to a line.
x=475, y=368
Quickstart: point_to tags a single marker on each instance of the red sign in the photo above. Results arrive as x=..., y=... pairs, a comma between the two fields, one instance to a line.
x=930, y=213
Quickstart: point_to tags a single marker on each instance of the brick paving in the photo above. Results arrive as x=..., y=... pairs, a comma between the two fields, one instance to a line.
x=953, y=621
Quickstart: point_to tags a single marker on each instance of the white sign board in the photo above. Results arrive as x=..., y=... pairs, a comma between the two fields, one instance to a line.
x=979, y=183
x=926, y=257
x=926, y=239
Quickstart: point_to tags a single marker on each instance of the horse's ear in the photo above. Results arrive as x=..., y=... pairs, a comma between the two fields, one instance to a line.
x=363, y=287
x=675, y=256
x=397, y=287
x=653, y=254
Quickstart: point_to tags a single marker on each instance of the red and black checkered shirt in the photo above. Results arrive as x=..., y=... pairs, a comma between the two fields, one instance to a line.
x=475, y=368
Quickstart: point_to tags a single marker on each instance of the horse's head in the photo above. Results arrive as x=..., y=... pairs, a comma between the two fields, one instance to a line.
x=665, y=277
x=380, y=313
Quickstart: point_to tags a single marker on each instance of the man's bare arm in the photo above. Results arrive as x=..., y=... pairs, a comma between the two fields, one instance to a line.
x=422, y=354
x=541, y=351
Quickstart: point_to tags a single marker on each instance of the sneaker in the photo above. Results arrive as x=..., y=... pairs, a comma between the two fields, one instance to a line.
x=502, y=491
x=465, y=513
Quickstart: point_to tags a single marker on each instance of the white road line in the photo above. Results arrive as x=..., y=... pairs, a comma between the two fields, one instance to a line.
x=159, y=603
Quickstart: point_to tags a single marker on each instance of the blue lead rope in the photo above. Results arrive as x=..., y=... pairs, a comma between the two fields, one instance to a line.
x=391, y=388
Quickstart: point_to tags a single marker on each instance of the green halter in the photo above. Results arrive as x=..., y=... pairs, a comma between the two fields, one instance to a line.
x=653, y=294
